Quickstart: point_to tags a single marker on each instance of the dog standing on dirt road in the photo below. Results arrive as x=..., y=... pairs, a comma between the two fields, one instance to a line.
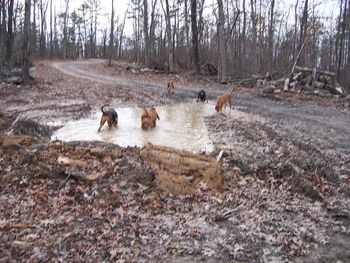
x=108, y=115
x=171, y=87
x=223, y=100
x=149, y=118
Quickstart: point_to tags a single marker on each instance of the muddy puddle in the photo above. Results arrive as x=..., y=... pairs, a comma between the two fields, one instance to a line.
x=181, y=126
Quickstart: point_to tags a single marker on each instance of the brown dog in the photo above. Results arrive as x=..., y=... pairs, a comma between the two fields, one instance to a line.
x=149, y=118
x=223, y=100
x=108, y=115
x=171, y=87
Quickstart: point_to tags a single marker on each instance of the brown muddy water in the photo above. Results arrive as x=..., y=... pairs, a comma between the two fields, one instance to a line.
x=181, y=126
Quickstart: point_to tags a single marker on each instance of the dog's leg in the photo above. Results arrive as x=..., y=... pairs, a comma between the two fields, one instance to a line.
x=110, y=124
x=102, y=122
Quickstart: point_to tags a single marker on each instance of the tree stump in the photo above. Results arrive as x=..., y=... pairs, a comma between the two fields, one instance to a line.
x=181, y=172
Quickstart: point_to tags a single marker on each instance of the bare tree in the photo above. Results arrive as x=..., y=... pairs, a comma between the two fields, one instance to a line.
x=221, y=41
x=43, y=9
x=152, y=34
x=303, y=29
x=9, y=31
x=342, y=39
x=145, y=31
x=26, y=37
x=169, y=37
x=195, y=52
x=255, y=35
x=51, y=33
x=271, y=32
x=111, y=38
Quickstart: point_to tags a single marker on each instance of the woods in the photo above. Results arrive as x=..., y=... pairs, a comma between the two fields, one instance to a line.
x=239, y=38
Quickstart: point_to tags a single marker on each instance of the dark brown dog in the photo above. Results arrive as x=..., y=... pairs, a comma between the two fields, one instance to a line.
x=108, y=115
x=223, y=100
x=171, y=87
x=149, y=118
x=202, y=96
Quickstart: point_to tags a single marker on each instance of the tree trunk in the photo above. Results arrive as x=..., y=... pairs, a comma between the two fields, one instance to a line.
x=43, y=26
x=2, y=35
x=9, y=32
x=271, y=32
x=195, y=53
x=34, y=29
x=65, y=31
x=295, y=30
x=111, y=37
x=145, y=30
x=244, y=51
x=26, y=37
x=255, y=36
x=221, y=40
x=348, y=66
x=187, y=37
x=341, y=44
x=152, y=35
x=121, y=37
x=303, y=30
x=51, y=37
x=169, y=37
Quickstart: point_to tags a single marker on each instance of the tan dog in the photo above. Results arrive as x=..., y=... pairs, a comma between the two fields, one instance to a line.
x=223, y=100
x=149, y=118
x=171, y=87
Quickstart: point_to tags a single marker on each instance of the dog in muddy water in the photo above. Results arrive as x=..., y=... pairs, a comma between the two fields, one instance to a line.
x=202, y=96
x=223, y=100
x=170, y=87
x=110, y=116
x=149, y=118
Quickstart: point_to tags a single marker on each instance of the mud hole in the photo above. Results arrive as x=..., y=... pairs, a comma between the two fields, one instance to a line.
x=286, y=197
x=180, y=126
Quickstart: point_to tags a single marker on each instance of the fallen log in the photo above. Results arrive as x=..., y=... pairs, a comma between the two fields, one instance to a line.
x=309, y=70
x=181, y=172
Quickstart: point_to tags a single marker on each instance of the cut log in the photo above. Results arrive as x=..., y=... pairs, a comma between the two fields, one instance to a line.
x=286, y=83
x=296, y=76
x=9, y=140
x=318, y=84
x=293, y=85
x=268, y=90
x=309, y=70
x=181, y=172
x=259, y=84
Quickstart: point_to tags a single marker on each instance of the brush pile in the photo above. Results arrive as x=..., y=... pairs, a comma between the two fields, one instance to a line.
x=303, y=79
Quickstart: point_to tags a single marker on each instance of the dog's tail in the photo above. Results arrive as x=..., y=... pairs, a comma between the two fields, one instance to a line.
x=102, y=108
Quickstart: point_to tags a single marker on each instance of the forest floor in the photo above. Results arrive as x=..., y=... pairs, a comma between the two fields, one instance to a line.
x=286, y=196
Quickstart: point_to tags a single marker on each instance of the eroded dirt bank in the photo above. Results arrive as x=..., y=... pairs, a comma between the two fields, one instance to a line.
x=286, y=196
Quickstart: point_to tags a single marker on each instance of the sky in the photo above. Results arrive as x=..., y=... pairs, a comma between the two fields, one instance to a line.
x=327, y=8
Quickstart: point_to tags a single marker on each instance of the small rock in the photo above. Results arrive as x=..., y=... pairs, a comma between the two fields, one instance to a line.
x=32, y=72
x=268, y=90
x=16, y=72
x=15, y=80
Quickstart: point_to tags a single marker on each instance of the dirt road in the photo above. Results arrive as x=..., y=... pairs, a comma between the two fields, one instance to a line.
x=326, y=128
x=286, y=196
